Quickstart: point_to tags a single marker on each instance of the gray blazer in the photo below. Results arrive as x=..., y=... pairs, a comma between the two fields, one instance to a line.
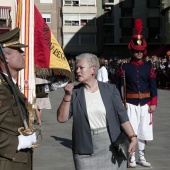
x=115, y=115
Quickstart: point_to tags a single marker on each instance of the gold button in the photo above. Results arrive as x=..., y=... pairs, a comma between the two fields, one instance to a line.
x=4, y=154
x=13, y=158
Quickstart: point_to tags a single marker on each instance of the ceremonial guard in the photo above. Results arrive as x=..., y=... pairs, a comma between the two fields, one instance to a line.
x=140, y=93
x=15, y=148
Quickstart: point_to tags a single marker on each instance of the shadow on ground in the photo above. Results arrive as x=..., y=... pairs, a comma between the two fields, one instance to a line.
x=65, y=142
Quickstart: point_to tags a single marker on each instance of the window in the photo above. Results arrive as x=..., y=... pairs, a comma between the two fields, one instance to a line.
x=126, y=32
x=127, y=12
x=153, y=22
x=152, y=32
x=79, y=19
x=87, y=22
x=87, y=2
x=126, y=22
x=126, y=3
x=88, y=19
x=153, y=3
x=71, y=19
x=47, y=18
x=71, y=23
x=70, y=3
x=46, y=1
x=109, y=35
x=153, y=35
x=79, y=2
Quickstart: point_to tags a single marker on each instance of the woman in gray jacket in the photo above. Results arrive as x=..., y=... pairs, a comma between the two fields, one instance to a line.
x=98, y=115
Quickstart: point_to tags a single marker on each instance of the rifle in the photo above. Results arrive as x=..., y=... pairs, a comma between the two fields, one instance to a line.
x=124, y=90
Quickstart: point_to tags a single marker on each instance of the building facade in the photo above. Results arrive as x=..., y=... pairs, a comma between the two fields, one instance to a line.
x=79, y=28
x=118, y=26
x=104, y=27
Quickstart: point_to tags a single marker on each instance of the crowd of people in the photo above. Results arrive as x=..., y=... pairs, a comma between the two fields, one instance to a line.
x=161, y=67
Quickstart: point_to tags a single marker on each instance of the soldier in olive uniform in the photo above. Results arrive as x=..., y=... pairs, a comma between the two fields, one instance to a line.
x=15, y=149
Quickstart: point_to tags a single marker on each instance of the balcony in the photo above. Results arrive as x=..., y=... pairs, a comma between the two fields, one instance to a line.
x=108, y=2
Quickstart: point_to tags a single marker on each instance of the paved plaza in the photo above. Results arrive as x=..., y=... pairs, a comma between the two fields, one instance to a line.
x=55, y=151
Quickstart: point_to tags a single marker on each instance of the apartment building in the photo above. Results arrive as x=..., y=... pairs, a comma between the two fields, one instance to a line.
x=79, y=28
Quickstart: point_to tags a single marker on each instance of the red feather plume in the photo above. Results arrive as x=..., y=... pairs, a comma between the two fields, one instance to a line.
x=138, y=26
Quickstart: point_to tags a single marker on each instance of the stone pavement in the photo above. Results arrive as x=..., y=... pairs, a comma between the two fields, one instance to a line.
x=55, y=151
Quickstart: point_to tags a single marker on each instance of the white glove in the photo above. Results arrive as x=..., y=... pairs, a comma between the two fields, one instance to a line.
x=26, y=141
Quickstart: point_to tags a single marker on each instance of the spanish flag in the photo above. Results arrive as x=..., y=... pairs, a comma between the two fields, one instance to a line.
x=47, y=51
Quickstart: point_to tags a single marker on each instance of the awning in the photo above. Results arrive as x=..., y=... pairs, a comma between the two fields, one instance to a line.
x=4, y=13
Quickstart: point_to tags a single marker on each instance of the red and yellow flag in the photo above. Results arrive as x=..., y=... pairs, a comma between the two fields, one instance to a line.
x=47, y=51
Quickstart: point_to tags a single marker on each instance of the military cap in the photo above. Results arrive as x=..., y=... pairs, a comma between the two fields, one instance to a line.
x=11, y=39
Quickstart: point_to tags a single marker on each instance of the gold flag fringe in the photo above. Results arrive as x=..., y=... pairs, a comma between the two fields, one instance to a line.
x=45, y=72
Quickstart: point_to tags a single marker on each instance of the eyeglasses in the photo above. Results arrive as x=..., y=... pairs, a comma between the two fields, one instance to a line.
x=138, y=51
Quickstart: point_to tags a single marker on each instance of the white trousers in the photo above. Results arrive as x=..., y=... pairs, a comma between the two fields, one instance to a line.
x=141, y=121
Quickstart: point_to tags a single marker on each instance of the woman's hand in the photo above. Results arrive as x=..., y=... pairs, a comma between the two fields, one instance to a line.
x=63, y=109
x=68, y=89
x=132, y=146
x=133, y=137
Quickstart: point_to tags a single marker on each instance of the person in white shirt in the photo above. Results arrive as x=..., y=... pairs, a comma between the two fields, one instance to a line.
x=102, y=72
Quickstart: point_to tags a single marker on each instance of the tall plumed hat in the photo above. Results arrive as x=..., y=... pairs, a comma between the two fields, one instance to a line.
x=137, y=41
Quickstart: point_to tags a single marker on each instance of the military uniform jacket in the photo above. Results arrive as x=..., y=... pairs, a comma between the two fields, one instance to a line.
x=10, y=121
x=115, y=115
x=140, y=78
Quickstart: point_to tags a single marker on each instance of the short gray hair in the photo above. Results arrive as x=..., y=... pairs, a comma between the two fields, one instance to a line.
x=91, y=59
